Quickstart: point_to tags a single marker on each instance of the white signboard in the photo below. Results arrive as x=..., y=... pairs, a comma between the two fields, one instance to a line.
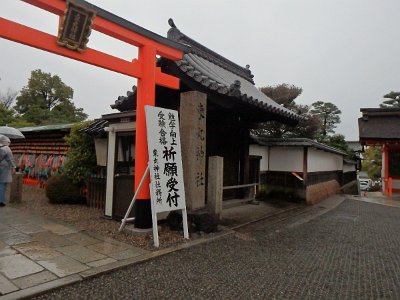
x=167, y=190
x=165, y=160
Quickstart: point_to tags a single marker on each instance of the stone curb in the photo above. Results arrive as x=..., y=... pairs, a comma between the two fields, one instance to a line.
x=42, y=288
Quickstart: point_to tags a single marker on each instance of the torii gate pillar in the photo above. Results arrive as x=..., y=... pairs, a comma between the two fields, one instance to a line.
x=146, y=95
x=144, y=68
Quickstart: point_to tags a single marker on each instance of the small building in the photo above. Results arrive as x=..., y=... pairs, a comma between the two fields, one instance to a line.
x=301, y=168
x=381, y=127
x=42, y=152
x=232, y=106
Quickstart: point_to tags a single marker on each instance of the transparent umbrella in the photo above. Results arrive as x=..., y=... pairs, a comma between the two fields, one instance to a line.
x=11, y=132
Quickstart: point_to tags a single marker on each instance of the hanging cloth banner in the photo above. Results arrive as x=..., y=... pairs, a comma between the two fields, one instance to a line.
x=167, y=188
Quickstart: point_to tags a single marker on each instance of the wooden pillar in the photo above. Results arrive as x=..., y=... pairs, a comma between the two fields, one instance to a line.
x=305, y=166
x=110, y=172
x=146, y=93
x=305, y=175
x=244, y=154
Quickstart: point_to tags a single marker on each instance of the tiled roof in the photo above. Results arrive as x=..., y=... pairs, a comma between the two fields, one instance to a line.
x=95, y=128
x=295, y=142
x=223, y=76
x=379, y=124
x=380, y=128
x=46, y=128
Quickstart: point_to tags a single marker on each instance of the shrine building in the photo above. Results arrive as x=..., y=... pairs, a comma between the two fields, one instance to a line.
x=381, y=127
x=218, y=104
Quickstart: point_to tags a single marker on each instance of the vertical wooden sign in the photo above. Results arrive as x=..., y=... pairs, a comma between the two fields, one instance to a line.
x=193, y=116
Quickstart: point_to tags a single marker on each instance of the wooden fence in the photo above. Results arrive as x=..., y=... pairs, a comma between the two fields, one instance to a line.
x=96, y=192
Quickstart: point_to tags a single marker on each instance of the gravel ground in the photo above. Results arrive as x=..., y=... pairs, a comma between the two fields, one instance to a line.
x=349, y=253
x=90, y=219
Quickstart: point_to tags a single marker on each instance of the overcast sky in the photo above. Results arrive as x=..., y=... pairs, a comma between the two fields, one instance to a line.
x=343, y=51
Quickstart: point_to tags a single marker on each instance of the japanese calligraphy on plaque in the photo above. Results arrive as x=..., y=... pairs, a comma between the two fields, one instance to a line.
x=165, y=161
x=193, y=113
x=75, y=29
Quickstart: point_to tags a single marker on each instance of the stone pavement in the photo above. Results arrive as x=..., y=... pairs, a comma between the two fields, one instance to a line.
x=350, y=252
x=379, y=198
x=37, y=253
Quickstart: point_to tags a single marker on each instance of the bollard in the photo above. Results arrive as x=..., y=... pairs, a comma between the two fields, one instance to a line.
x=16, y=188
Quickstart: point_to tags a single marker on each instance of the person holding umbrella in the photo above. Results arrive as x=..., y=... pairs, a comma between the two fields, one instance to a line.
x=7, y=167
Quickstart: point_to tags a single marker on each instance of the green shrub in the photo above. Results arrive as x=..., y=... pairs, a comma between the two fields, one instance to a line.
x=61, y=190
x=81, y=163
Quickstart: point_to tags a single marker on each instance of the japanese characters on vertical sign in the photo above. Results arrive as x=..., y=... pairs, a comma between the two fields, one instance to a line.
x=200, y=145
x=165, y=161
x=75, y=29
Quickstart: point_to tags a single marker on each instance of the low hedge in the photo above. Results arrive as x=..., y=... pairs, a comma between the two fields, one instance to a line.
x=61, y=190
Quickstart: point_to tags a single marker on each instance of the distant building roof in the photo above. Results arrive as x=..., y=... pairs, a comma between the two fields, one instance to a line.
x=97, y=126
x=295, y=142
x=363, y=174
x=354, y=145
x=65, y=127
x=379, y=124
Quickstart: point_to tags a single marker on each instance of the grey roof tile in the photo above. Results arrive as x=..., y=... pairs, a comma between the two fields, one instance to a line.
x=379, y=123
x=295, y=142
x=223, y=76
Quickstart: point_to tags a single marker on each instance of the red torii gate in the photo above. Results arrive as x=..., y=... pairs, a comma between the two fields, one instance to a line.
x=144, y=69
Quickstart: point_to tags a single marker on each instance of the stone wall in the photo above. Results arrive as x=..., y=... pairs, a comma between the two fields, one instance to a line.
x=320, y=185
x=317, y=192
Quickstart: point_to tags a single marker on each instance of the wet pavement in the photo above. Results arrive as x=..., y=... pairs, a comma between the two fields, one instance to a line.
x=36, y=251
x=38, y=254
x=349, y=252
x=379, y=198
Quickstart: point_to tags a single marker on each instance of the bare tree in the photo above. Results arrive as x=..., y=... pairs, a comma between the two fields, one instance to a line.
x=7, y=98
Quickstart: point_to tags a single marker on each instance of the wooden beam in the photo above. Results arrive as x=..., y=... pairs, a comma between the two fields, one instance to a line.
x=112, y=29
x=31, y=37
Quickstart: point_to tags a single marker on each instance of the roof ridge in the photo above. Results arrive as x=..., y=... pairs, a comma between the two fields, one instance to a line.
x=196, y=48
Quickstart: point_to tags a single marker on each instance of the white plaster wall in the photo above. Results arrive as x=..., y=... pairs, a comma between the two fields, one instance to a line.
x=396, y=183
x=348, y=167
x=319, y=161
x=260, y=151
x=286, y=159
x=114, y=128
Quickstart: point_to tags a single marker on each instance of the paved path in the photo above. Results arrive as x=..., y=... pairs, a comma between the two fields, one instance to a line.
x=39, y=253
x=351, y=252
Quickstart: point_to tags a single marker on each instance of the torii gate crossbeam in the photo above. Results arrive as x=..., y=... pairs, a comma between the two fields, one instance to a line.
x=144, y=69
